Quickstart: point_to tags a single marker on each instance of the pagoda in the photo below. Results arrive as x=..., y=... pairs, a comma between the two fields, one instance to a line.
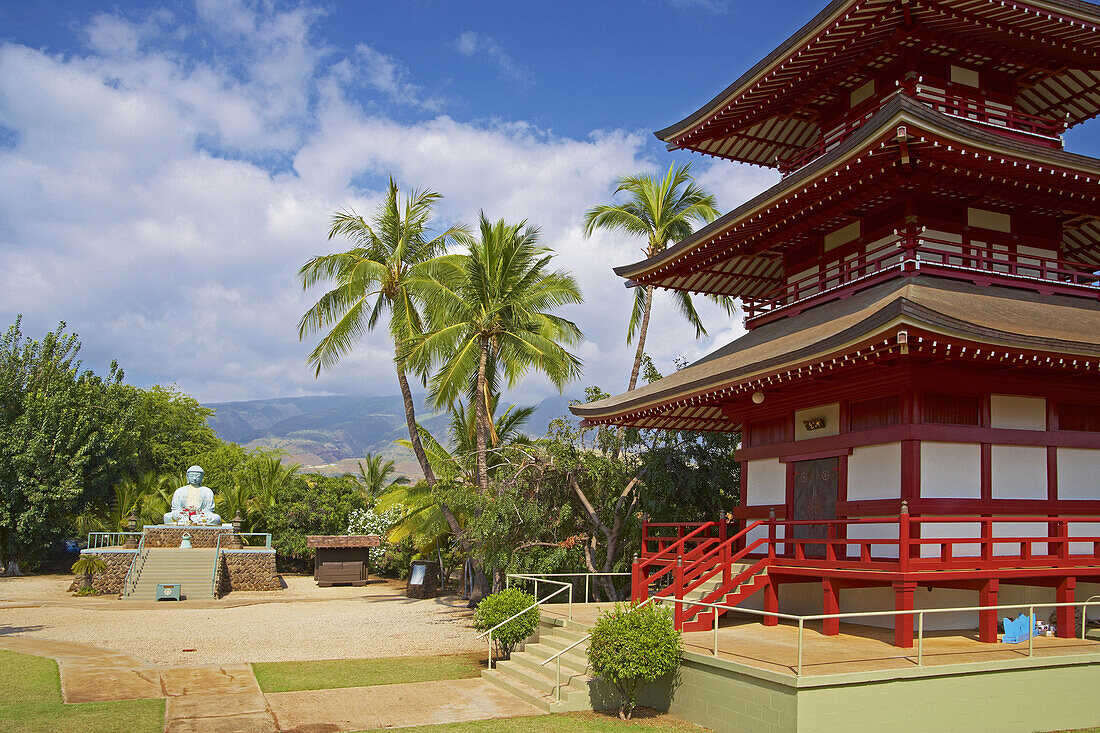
x=917, y=391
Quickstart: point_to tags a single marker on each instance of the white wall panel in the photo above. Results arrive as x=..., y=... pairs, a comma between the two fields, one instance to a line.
x=874, y=472
x=1078, y=473
x=767, y=482
x=1019, y=471
x=950, y=470
x=937, y=530
x=1018, y=413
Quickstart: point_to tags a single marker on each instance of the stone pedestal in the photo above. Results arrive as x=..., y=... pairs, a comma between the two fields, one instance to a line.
x=169, y=535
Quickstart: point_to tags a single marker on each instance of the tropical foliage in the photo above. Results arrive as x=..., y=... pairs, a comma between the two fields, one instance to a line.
x=393, y=260
x=495, y=316
x=375, y=475
x=662, y=211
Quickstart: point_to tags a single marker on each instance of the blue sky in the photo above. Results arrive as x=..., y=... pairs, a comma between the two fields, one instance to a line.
x=164, y=170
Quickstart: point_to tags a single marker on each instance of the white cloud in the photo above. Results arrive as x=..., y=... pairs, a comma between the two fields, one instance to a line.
x=471, y=44
x=162, y=203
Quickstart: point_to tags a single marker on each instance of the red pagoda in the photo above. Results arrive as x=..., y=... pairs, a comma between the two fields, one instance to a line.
x=918, y=389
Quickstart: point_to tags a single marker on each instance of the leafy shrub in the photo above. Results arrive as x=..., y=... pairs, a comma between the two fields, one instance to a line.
x=631, y=644
x=87, y=566
x=500, y=606
x=86, y=591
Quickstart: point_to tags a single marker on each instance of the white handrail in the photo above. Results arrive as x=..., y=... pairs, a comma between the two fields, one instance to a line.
x=536, y=604
x=919, y=613
x=535, y=577
x=557, y=657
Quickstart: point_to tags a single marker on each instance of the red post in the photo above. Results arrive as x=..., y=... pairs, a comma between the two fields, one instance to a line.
x=771, y=602
x=1063, y=537
x=987, y=544
x=771, y=534
x=987, y=620
x=639, y=589
x=903, y=623
x=724, y=554
x=903, y=546
x=830, y=548
x=830, y=603
x=1065, y=616
x=678, y=592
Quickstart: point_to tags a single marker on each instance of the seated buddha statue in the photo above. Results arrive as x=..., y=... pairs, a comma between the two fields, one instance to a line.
x=193, y=503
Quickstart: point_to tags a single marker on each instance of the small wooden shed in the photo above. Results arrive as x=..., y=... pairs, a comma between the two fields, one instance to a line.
x=342, y=559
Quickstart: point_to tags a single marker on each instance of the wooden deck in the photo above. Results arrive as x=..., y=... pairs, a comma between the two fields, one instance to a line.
x=857, y=648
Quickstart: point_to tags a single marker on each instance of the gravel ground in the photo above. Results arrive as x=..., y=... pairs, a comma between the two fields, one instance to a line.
x=298, y=623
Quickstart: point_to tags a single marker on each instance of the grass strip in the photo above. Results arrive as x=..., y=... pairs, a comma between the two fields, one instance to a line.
x=329, y=674
x=30, y=702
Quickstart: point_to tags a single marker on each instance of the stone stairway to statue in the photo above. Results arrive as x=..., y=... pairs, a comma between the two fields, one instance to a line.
x=525, y=676
x=191, y=569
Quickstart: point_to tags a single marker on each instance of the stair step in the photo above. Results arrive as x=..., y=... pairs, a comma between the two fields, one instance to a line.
x=536, y=654
x=571, y=700
x=542, y=678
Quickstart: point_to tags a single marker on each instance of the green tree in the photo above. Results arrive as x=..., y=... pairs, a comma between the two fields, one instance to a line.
x=61, y=437
x=496, y=316
x=392, y=259
x=375, y=475
x=459, y=461
x=663, y=211
x=170, y=425
x=313, y=504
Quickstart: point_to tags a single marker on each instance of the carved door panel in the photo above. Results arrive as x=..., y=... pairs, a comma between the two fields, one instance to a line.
x=815, y=485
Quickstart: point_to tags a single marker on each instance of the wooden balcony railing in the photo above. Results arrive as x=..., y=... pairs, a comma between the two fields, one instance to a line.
x=972, y=108
x=899, y=544
x=912, y=254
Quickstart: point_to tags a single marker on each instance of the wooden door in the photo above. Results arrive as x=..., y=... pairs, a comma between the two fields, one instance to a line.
x=815, y=484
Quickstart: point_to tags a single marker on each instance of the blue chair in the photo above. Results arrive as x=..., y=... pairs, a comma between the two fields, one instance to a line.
x=1018, y=629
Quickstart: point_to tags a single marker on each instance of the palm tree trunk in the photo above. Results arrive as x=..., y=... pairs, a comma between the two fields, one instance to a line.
x=641, y=338
x=410, y=418
x=481, y=412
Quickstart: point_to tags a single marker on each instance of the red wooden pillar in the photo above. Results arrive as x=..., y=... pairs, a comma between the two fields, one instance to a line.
x=1067, y=629
x=771, y=602
x=987, y=620
x=903, y=623
x=639, y=589
x=830, y=603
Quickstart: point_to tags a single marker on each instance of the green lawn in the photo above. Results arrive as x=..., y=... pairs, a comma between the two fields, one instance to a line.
x=565, y=723
x=333, y=673
x=30, y=702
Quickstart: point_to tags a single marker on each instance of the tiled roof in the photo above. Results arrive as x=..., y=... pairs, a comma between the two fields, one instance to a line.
x=354, y=540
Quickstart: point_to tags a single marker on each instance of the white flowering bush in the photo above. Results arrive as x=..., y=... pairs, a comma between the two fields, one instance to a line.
x=372, y=521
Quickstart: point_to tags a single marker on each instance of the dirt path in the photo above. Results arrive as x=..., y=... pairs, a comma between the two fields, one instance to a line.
x=302, y=622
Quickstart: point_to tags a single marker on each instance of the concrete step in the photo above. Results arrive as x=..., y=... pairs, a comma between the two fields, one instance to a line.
x=571, y=701
x=557, y=644
x=542, y=678
x=534, y=657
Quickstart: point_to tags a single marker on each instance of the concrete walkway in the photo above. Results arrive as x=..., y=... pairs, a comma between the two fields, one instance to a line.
x=395, y=706
x=227, y=698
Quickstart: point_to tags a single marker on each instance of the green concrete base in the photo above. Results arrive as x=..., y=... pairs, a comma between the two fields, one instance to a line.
x=1016, y=696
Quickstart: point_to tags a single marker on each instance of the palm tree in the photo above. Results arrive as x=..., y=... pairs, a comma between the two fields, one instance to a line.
x=392, y=256
x=421, y=517
x=375, y=474
x=496, y=317
x=460, y=461
x=662, y=211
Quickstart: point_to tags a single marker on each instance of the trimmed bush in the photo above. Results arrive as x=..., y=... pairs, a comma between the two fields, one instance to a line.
x=500, y=606
x=631, y=644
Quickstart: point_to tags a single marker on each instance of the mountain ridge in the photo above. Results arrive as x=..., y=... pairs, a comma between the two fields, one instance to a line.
x=331, y=433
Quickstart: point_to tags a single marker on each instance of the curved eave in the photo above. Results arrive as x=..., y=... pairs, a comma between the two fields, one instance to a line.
x=899, y=110
x=812, y=29
x=998, y=317
x=759, y=100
